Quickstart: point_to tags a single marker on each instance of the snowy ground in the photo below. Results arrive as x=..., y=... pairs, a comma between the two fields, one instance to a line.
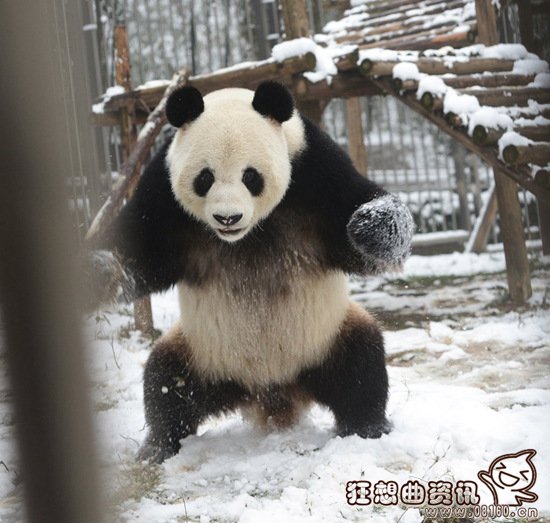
x=469, y=382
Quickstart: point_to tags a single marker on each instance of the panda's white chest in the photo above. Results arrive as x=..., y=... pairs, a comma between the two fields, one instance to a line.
x=259, y=337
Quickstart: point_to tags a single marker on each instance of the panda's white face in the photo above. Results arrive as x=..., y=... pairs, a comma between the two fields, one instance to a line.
x=231, y=166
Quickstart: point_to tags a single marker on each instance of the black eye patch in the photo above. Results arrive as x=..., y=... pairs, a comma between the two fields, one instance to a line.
x=253, y=181
x=203, y=182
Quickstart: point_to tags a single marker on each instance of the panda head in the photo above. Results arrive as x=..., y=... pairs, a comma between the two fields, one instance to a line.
x=230, y=161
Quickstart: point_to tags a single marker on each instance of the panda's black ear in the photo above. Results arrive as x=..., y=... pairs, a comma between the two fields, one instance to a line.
x=273, y=100
x=184, y=105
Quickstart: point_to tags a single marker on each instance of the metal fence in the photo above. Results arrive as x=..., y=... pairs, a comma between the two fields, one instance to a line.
x=443, y=184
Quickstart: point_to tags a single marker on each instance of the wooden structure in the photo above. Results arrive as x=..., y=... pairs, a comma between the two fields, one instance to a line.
x=494, y=100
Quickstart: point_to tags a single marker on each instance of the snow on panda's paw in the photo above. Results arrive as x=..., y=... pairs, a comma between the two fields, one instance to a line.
x=381, y=230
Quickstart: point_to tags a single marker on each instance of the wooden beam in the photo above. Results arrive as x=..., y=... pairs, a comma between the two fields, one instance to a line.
x=356, y=137
x=511, y=230
x=245, y=75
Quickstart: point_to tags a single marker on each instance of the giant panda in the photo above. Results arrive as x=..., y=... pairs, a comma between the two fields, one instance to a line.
x=258, y=217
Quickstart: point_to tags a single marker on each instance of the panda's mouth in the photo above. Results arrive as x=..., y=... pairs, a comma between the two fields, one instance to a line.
x=230, y=232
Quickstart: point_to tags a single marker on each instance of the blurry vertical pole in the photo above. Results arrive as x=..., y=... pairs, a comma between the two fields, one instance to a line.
x=38, y=275
x=509, y=209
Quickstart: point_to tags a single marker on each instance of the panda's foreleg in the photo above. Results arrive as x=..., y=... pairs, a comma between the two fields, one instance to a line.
x=177, y=398
x=353, y=381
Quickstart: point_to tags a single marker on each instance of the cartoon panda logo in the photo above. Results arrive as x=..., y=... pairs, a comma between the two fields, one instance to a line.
x=510, y=477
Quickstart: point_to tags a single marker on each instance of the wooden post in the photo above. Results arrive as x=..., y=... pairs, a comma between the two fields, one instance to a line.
x=544, y=225
x=356, y=137
x=482, y=227
x=511, y=223
x=143, y=314
x=511, y=230
x=486, y=15
x=297, y=26
x=295, y=18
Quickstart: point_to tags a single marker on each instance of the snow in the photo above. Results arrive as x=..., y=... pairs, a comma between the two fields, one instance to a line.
x=431, y=84
x=151, y=84
x=406, y=71
x=530, y=66
x=460, y=104
x=489, y=118
x=504, y=51
x=378, y=54
x=542, y=80
x=114, y=90
x=324, y=67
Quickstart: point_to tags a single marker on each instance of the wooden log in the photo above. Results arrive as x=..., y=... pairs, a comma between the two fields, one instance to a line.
x=438, y=66
x=347, y=62
x=454, y=120
x=246, y=75
x=129, y=171
x=537, y=153
x=431, y=101
x=508, y=96
x=356, y=136
x=482, y=227
x=511, y=230
x=482, y=135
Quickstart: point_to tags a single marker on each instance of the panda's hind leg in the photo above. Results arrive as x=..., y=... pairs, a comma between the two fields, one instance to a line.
x=353, y=381
x=177, y=398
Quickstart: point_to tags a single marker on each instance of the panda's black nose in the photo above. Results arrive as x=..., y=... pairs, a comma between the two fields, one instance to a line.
x=228, y=220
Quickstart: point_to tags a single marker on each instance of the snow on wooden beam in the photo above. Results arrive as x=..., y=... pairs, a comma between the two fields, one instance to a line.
x=437, y=66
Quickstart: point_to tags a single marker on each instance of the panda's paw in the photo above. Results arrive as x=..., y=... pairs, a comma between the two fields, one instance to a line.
x=372, y=430
x=154, y=453
x=105, y=279
x=381, y=230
